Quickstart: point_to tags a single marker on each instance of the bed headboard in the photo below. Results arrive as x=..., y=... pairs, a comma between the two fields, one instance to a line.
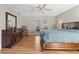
x=71, y=25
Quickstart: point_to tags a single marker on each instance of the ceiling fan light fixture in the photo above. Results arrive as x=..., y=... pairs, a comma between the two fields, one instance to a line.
x=42, y=8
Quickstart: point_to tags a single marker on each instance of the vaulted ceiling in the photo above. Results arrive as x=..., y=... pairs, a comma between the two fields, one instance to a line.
x=38, y=9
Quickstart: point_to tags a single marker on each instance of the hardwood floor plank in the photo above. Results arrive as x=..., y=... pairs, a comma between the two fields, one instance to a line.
x=30, y=45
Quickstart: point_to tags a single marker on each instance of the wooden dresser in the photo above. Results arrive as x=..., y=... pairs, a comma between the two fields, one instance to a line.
x=9, y=38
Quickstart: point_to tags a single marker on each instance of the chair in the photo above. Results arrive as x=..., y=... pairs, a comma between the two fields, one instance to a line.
x=38, y=28
x=24, y=30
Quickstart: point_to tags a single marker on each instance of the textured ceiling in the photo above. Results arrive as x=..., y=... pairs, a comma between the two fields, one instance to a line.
x=31, y=10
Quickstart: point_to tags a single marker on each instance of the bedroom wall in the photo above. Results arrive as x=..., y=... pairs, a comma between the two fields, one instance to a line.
x=30, y=21
x=4, y=9
x=71, y=15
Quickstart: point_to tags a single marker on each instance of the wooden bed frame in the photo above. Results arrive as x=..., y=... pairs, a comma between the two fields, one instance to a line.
x=62, y=45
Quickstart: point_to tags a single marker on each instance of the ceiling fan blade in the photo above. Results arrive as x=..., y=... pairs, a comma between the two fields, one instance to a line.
x=38, y=6
x=44, y=5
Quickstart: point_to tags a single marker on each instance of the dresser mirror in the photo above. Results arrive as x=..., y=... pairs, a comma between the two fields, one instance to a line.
x=11, y=21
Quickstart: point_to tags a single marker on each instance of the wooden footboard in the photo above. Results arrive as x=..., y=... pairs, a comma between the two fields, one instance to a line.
x=65, y=46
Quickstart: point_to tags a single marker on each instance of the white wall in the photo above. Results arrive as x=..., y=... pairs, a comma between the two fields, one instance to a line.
x=19, y=21
x=4, y=9
x=70, y=15
x=30, y=21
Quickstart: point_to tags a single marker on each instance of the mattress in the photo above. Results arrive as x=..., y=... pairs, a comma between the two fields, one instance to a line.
x=62, y=35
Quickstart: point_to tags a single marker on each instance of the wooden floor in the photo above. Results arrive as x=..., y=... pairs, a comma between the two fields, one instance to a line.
x=27, y=46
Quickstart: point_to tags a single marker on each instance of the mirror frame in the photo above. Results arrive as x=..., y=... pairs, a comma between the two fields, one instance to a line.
x=7, y=13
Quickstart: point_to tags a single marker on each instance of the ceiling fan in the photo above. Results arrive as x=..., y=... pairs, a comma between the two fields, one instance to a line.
x=42, y=8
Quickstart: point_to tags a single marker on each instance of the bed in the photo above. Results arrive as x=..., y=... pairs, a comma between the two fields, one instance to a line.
x=66, y=38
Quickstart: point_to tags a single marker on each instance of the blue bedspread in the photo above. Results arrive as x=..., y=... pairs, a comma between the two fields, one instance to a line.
x=62, y=35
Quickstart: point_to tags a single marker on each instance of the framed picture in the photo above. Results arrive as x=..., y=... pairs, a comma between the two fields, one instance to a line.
x=11, y=21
